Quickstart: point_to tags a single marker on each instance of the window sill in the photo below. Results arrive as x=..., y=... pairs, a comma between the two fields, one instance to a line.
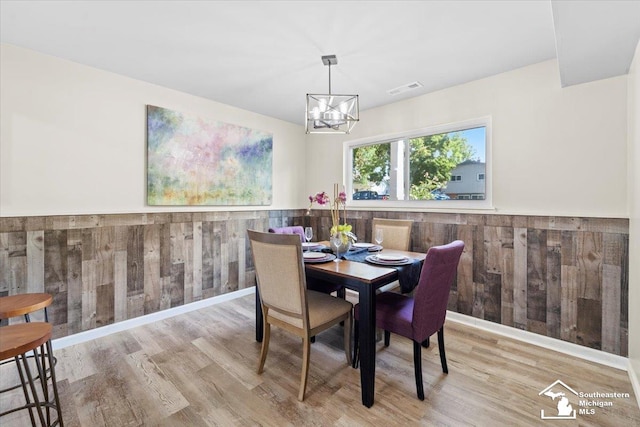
x=447, y=206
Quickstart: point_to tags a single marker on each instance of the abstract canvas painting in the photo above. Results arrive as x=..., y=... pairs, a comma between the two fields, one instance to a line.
x=194, y=161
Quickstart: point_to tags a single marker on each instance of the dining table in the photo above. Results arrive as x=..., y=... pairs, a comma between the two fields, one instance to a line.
x=364, y=278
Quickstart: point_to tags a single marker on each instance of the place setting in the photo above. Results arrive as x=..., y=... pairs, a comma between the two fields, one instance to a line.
x=307, y=245
x=389, y=259
x=371, y=247
x=317, y=257
x=311, y=250
x=312, y=246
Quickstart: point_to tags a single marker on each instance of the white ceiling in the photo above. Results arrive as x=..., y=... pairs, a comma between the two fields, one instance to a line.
x=264, y=56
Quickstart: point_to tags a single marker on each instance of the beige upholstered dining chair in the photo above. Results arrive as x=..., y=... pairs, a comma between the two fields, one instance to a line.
x=286, y=302
x=397, y=233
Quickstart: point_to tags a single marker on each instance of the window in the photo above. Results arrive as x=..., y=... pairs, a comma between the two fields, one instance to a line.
x=434, y=165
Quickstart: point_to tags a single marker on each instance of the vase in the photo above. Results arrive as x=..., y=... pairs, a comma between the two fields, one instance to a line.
x=340, y=243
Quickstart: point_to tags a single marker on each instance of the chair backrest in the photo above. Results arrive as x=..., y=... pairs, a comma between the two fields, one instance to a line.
x=296, y=229
x=432, y=293
x=397, y=233
x=280, y=276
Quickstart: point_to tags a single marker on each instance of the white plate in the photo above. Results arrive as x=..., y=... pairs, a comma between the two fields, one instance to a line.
x=363, y=245
x=375, y=260
x=391, y=258
x=313, y=255
x=327, y=258
x=309, y=244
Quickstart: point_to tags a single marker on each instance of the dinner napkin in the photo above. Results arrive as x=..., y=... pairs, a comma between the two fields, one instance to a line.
x=408, y=275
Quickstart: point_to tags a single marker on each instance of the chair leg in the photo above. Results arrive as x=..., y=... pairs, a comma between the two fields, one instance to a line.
x=387, y=338
x=341, y=293
x=443, y=357
x=306, y=349
x=426, y=343
x=356, y=344
x=265, y=344
x=347, y=338
x=417, y=364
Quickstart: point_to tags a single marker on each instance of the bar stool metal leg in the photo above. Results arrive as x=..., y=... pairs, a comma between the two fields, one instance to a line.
x=33, y=388
x=44, y=383
x=54, y=382
x=26, y=393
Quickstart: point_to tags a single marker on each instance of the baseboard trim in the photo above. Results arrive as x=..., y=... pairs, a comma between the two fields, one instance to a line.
x=103, y=331
x=565, y=347
x=635, y=381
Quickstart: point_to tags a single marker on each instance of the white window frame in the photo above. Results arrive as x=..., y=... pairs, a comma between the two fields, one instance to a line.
x=450, y=205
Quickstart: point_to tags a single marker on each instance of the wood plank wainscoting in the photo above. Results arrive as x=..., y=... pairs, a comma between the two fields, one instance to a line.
x=562, y=277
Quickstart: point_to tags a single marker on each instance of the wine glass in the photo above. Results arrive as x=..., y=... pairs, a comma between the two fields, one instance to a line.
x=308, y=234
x=338, y=245
x=379, y=236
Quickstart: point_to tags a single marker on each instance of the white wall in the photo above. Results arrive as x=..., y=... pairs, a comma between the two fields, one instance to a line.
x=73, y=139
x=555, y=151
x=634, y=222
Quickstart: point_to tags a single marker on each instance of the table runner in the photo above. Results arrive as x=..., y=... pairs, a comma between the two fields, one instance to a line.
x=408, y=275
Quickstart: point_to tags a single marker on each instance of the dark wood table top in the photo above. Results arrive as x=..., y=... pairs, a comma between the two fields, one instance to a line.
x=362, y=271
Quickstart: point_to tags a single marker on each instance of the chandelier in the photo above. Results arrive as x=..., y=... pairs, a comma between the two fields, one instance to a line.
x=330, y=113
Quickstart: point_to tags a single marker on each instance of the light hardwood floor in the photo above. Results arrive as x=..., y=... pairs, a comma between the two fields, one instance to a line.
x=198, y=369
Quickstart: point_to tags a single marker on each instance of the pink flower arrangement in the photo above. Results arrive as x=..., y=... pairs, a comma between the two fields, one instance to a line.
x=339, y=201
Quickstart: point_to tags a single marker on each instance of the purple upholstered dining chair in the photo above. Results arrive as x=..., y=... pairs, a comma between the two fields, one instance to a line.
x=422, y=315
x=296, y=229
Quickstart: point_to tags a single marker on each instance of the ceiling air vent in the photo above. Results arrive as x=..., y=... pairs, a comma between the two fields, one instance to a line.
x=404, y=88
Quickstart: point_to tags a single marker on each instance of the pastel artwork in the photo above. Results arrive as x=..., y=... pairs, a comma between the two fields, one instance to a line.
x=193, y=161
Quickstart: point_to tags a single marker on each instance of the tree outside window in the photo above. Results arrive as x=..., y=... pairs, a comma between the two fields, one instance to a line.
x=421, y=168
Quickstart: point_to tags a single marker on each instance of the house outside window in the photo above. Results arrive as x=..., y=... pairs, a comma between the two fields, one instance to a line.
x=467, y=181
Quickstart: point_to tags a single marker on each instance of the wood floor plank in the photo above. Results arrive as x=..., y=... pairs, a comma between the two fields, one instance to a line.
x=165, y=396
x=199, y=369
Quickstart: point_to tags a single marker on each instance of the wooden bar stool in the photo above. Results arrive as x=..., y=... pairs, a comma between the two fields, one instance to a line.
x=23, y=305
x=15, y=342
